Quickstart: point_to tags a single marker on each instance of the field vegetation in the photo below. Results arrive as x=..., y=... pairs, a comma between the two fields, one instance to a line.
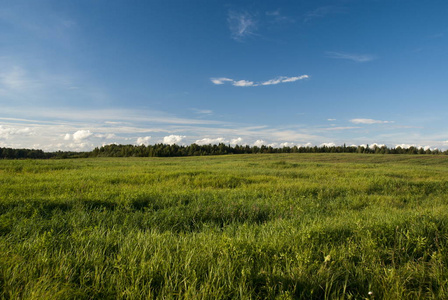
x=270, y=226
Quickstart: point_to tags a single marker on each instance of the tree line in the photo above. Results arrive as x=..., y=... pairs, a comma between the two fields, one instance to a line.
x=11, y=153
x=164, y=150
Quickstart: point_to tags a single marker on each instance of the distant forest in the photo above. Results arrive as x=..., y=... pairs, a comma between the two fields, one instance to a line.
x=164, y=150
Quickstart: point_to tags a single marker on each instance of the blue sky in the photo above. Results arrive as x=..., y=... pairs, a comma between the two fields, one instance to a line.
x=79, y=74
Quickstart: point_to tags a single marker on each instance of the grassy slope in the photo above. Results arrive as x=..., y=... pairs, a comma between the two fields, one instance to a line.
x=257, y=226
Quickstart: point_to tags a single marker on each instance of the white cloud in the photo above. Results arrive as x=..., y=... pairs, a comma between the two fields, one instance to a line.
x=241, y=25
x=24, y=131
x=406, y=146
x=221, y=80
x=272, y=81
x=369, y=121
x=286, y=144
x=279, y=145
x=4, y=132
x=78, y=136
x=173, y=139
x=283, y=79
x=237, y=141
x=81, y=135
x=7, y=132
x=245, y=83
x=259, y=143
x=331, y=120
x=207, y=141
x=143, y=140
x=351, y=56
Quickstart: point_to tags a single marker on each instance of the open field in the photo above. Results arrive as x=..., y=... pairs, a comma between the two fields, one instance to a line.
x=282, y=226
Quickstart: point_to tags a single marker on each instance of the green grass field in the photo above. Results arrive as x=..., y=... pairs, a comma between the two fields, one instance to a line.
x=293, y=226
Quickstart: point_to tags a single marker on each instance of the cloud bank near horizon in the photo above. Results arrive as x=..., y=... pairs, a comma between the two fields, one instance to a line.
x=83, y=130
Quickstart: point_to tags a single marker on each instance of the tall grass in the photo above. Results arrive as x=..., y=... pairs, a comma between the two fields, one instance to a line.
x=295, y=226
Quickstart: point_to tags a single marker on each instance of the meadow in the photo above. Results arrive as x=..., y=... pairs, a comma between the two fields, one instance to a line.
x=271, y=226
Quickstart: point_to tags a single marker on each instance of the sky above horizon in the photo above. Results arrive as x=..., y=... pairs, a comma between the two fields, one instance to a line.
x=75, y=75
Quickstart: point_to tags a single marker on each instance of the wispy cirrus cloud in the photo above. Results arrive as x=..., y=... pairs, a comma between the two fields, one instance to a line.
x=242, y=25
x=278, y=17
x=438, y=35
x=109, y=116
x=246, y=83
x=283, y=79
x=341, y=128
x=55, y=26
x=21, y=82
x=13, y=78
x=321, y=12
x=369, y=121
x=350, y=56
x=202, y=111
